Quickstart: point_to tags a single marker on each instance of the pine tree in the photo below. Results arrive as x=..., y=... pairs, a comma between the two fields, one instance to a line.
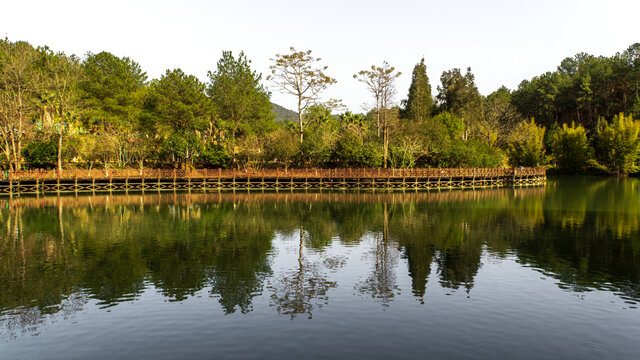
x=419, y=103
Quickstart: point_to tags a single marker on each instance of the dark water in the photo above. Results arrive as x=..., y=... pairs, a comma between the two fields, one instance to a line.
x=539, y=273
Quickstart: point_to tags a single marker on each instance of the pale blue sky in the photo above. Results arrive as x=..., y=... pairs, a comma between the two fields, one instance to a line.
x=503, y=41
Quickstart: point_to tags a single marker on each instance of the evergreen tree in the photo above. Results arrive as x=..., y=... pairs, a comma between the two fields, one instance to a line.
x=419, y=102
x=459, y=95
x=240, y=101
x=184, y=113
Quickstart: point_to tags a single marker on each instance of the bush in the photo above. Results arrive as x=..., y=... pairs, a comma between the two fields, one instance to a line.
x=41, y=154
x=282, y=147
x=455, y=125
x=352, y=151
x=528, y=149
x=570, y=148
x=215, y=156
x=617, y=144
x=472, y=154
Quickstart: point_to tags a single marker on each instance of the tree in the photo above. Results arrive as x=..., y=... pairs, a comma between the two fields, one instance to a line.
x=528, y=149
x=570, y=148
x=108, y=90
x=353, y=151
x=381, y=83
x=459, y=95
x=112, y=93
x=453, y=124
x=419, y=103
x=499, y=119
x=60, y=93
x=40, y=154
x=237, y=95
x=184, y=112
x=618, y=144
x=19, y=81
x=297, y=75
x=282, y=148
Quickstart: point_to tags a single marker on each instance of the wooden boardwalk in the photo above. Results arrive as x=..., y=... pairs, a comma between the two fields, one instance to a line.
x=40, y=182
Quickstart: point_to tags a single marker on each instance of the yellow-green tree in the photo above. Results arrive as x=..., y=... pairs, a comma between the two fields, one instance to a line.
x=618, y=144
x=527, y=149
x=570, y=148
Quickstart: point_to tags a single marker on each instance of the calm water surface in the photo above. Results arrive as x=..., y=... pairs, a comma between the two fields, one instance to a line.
x=539, y=273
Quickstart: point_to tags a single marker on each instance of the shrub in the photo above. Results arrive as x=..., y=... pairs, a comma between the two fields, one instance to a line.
x=455, y=125
x=215, y=156
x=41, y=154
x=352, y=151
x=570, y=149
x=472, y=154
x=528, y=149
x=617, y=144
x=282, y=148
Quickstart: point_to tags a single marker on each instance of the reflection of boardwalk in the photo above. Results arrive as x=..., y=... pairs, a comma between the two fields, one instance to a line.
x=280, y=179
x=353, y=197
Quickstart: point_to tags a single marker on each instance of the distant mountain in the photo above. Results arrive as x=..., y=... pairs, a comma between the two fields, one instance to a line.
x=283, y=114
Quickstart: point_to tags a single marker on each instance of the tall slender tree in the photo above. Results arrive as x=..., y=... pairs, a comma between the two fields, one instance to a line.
x=296, y=74
x=380, y=81
x=19, y=80
x=60, y=92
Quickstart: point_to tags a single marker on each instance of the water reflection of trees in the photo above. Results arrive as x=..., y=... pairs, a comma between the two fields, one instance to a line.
x=381, y=282
x=302, y=289
x=583, y=232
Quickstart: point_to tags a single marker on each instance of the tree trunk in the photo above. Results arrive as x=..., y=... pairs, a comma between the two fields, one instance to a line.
x=385, y=141
x=300, y=119
x=60, y=153
x=378, y=114
x=233, y=148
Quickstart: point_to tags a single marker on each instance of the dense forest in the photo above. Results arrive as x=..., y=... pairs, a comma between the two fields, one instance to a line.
x=61, y=111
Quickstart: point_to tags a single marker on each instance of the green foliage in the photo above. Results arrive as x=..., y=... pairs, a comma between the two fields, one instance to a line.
x=282, y=148
x=459, y=95
x=317, y=115
x=108, y=90
x=528, y=148
x=181, y=146
x=453, y=124
x=582, y=89
x=239, y=99
x=472, y=154
x=319, y=145
x=103, y=111
x=407, y=145
x=570, y=148
x=617, y=144
x=215, y=156
x=183, y=112
x=41, y=154
x=353, y=151
x=419, y=105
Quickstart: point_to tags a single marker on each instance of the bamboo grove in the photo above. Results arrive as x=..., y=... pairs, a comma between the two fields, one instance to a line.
x=101, y=111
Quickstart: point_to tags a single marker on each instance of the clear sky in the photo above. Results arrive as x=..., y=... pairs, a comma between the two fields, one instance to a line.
x=503, y=41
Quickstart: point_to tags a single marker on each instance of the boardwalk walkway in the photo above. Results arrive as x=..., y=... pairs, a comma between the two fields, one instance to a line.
x=34, y=181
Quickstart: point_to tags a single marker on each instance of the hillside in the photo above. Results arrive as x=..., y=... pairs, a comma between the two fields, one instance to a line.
x=284, y=114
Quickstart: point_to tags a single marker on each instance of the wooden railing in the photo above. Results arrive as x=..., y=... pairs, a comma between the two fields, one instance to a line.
x=83, y=174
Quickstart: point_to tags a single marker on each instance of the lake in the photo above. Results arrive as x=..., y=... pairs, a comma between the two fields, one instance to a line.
x=528, y=273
